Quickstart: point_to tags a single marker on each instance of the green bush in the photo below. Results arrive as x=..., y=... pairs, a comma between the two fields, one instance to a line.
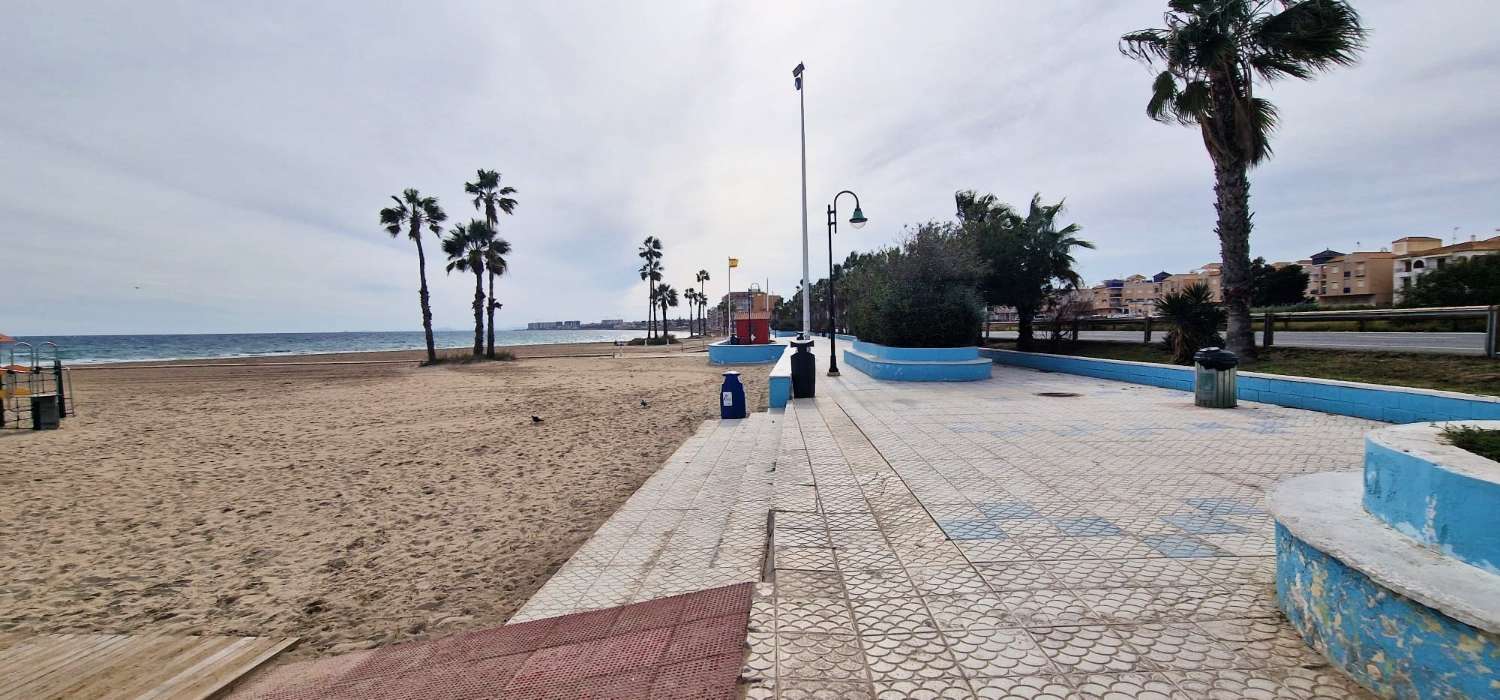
x=1195, y=320
x=921, y=294
x=1485, y=443
x=1471, y=282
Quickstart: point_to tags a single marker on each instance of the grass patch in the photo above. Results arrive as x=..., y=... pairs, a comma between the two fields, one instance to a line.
x=1485, y=443
x=1473, y=375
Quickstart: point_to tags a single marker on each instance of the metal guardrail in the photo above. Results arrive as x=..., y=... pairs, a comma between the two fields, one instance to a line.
x=1268, y=320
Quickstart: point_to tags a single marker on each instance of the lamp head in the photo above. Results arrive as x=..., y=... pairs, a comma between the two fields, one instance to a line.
x=858, y=219
x=797, y=76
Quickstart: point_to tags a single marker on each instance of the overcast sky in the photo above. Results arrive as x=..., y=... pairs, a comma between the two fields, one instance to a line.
x=218, y=167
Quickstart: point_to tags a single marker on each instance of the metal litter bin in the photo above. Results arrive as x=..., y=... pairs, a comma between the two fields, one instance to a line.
x=804, y=370
x=1214, y=371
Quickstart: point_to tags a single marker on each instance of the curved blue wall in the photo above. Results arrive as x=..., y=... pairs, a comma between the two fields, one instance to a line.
x=1454, y=512
x=722, y=353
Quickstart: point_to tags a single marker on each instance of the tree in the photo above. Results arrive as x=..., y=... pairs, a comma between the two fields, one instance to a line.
x=666, y=296
x=702, y=277
x=922, y=293
x=1195, y=319
x=1272, y=286
x=466, y=247
x=412, y=213
x=650, y=252
x=1212, y=52
x=493, y=199
x=1027, y=259
x=495, y=265
x=1459, y=282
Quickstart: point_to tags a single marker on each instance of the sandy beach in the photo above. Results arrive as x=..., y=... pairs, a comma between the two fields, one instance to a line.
x=348, y=504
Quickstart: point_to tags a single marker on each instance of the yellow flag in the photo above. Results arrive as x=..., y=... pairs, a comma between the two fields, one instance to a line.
x=734, y=262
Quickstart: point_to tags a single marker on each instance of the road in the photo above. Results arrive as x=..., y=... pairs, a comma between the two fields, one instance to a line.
x=1449, y=343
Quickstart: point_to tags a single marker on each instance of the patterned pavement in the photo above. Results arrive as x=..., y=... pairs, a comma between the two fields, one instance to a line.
x=982, y=540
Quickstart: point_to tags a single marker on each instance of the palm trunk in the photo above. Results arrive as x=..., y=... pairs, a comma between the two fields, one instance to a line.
x=1024, y=319
x=478, y=313
x=426, y=307
x=490, y=326
x=1232, y=192
x=650, y=309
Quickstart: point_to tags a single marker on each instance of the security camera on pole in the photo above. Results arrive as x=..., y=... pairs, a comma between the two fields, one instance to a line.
x=804, y=365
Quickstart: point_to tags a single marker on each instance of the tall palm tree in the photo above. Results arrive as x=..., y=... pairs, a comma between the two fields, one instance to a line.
x=666, y=296
x=495, y=265
x=702, y=277
x=493, y=200
x=465, y=247
x=1027, y=258
x=1211, y=53
x=650, y=251
x=412, y=213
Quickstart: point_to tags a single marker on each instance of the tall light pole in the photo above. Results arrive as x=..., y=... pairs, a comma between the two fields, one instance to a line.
x=806, y=284
x=857, y=220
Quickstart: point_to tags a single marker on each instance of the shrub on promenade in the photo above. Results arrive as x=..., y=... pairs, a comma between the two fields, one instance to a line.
x=1194, y=317
x=922, y=293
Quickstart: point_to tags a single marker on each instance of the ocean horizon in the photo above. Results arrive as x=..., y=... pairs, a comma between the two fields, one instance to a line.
x=99, y=349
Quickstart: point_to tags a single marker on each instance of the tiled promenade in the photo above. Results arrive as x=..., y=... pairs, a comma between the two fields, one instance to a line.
x=984, y=540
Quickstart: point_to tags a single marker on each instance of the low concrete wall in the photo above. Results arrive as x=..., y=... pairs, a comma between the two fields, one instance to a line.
x=779, y=384
x=1386, y=641
x=722, y=353
x=918, y=364
x=1373, y=401
x=1435, y=493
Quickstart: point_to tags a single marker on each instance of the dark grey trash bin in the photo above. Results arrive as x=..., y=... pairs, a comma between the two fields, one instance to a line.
x=804, y=370
x=1214, y=382
x=44, y=412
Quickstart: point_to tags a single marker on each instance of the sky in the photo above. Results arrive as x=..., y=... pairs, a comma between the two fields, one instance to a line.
x=181, y=167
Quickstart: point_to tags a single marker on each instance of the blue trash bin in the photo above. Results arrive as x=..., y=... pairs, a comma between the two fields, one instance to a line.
x=732, y=396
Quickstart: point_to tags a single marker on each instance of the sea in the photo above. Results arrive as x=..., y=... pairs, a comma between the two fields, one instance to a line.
x=94, y=349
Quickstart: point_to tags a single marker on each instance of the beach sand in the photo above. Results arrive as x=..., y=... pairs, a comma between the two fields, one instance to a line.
x=348, y=504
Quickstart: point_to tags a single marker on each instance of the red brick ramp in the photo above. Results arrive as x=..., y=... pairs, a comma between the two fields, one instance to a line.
x=690, y=646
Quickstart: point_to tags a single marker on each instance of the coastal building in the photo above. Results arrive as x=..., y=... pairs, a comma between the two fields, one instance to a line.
x=1350, y=279
x=1140, y=293
x=1107, y=298
x=1209, y=275
x=554, y=325
x=1416, y=255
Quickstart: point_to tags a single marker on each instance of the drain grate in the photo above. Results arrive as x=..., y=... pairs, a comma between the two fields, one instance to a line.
x=1058, y=394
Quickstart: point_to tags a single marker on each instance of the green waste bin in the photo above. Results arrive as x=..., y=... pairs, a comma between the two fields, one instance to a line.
x=1214, y=384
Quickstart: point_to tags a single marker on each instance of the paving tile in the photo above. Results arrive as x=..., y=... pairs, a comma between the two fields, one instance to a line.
x=801, y=585
x=1147, y=686
x=760, y=657
x=1045, y=687
x=969, y=611
x=1182, y=546
x=1179, y=646
x=944, y=580
x=940, y=689
x=824, y=690
x=997, y=652
x=1087, y=526
x=878, y=583
x=1047, y=607
x=830, y=615
x=806, y=559
x=1225, y=506
x=1088, y=649
x=972, y=529
x=824, y=656
x=892, y=615
x=1262, y=642
x=1202, y=524
x=1007, y=510
x=910, y=656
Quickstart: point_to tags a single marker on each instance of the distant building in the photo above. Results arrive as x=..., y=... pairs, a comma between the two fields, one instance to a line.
x=1361, y=278
x=747, y=305
x=1108, y=298
x=554, y=325
x=1416, y=255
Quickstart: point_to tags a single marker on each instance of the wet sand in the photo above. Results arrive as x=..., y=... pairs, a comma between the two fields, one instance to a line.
x=348, y=504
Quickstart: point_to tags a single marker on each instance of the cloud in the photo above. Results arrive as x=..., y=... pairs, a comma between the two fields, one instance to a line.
x=187, y=168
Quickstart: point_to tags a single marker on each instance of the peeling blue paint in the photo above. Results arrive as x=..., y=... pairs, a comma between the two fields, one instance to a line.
x=1387, y=642
x=1455, y=513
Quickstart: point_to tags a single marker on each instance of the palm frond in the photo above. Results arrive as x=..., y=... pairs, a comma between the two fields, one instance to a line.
x=1146, y=45
x=1316, y=34
x=1163, y=103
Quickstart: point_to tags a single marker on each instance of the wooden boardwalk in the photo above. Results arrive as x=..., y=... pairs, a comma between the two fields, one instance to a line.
x=121, y=666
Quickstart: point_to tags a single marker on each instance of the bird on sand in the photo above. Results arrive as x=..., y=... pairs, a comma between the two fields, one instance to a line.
x=536, y=419
x=644, y=404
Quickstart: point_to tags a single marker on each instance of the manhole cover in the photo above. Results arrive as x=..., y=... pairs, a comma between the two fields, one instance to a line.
x=1058, y=394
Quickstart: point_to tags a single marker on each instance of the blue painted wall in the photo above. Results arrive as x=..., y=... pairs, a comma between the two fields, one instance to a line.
x=1389, y=404
x=779, y=383
x=722, y=353
x=914, y=371
x=886, y=352
x=1455, y=513
x=1386, y=641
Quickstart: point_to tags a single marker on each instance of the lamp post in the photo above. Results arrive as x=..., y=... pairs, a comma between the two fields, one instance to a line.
x=857, y=220
x=806, y=284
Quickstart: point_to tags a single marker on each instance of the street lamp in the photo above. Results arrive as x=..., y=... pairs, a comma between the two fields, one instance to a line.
x=806, y=283
x=857, y=220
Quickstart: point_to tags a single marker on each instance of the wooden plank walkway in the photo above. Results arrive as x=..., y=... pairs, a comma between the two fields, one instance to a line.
x=127, y=667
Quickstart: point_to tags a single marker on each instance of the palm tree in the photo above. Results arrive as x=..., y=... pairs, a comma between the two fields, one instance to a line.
x=666, y=296
x=1211, y=53
x=412, y=213
x=702, y=277
x=650, y=252
x=1194, y=318
x=494, y=199
x=465, y=247
x=495, y=266
x=1026, y=257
